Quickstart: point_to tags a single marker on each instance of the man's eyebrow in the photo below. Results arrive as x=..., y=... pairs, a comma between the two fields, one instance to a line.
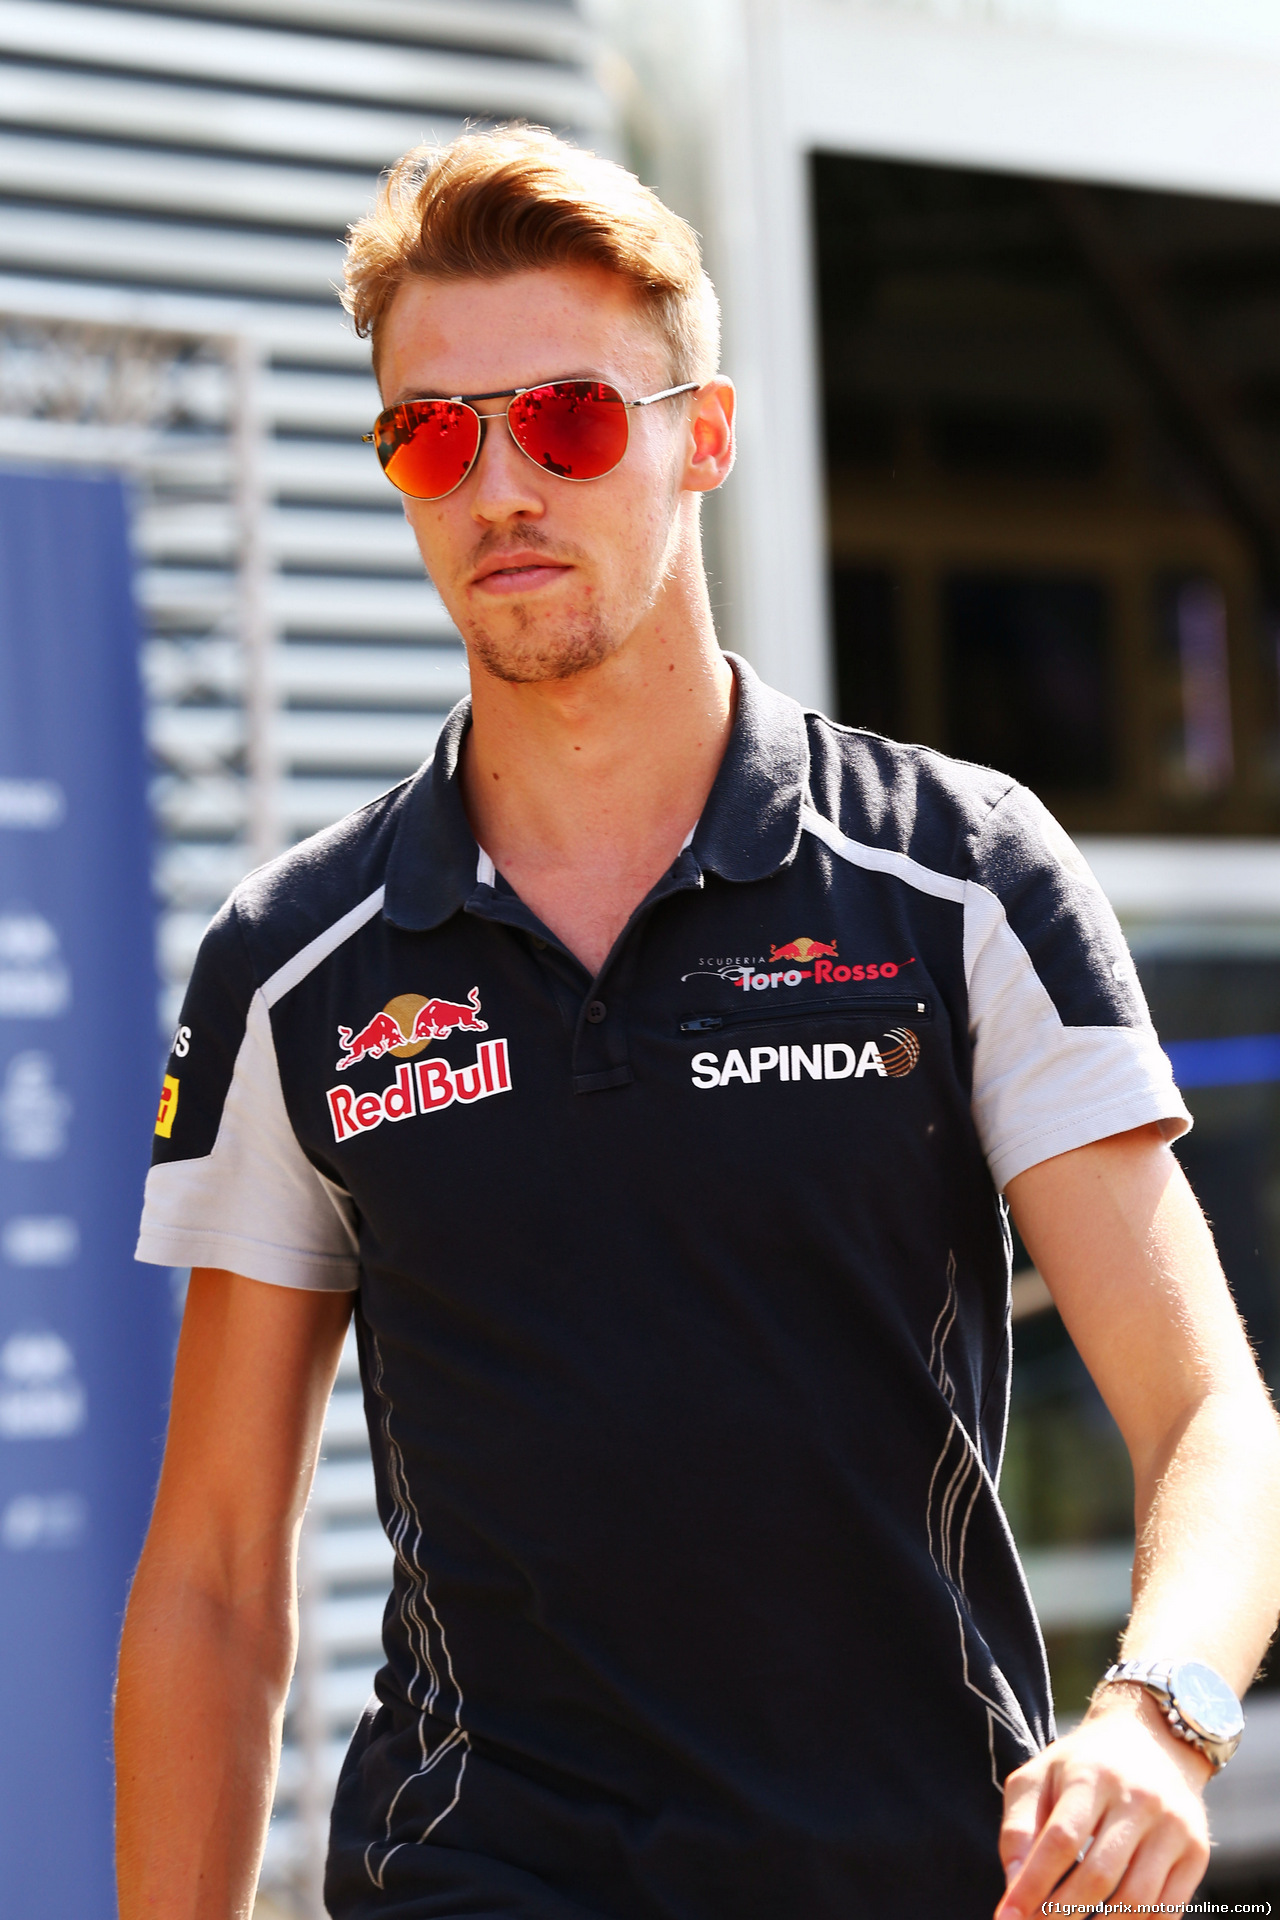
x=552, y=380
x=418, y=393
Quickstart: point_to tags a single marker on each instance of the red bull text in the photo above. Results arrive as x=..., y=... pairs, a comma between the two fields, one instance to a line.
x=426, y=1086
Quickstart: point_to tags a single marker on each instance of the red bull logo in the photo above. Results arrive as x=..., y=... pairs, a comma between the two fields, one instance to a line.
x=407, y=1025
x=381, y=1034
x=804, y=950
x=438, y=1016
x=428, y=1087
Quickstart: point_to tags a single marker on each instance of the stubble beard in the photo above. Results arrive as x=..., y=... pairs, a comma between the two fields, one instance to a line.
x=522, y=656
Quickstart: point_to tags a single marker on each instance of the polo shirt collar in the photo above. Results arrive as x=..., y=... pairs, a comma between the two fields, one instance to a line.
x=434, y=860
x=749, y=829
x=750, y=826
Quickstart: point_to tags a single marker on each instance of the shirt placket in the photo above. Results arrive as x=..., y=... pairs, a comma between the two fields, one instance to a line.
x=596, y=1008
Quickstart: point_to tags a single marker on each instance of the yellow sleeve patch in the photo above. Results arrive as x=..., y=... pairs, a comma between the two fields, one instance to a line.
x=168, y=1107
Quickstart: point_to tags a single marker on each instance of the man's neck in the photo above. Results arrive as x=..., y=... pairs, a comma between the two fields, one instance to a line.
x=583, y=790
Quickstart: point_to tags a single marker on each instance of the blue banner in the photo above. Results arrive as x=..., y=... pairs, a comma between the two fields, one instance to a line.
x=85, y=1334
x=1241, y=1060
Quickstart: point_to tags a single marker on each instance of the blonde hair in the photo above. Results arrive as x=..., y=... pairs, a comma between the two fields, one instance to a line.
x=517, y=197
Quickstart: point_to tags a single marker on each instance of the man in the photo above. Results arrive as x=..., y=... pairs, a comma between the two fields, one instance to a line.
x=646, y=1071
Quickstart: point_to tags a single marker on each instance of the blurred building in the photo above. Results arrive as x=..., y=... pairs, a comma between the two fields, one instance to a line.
x=175, y=180
x=1002, y=292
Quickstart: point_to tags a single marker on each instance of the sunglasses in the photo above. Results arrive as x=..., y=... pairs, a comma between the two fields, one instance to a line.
x=576, y=429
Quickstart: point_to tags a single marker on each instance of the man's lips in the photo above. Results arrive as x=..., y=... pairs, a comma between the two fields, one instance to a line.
x=517, y=572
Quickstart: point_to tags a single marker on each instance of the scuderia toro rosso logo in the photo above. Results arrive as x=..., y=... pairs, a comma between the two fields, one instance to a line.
x=794, y=962
x=890, y=1058
x=405, y=1028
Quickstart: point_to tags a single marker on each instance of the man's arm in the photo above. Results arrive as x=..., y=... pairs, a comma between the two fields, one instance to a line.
x=1128, y=1257
x=211, y=1628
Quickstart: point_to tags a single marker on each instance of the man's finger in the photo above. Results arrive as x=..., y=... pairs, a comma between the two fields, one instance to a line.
x=1061, y=1840
x=1187, y=1873
x=1026, y=1805
x=1121, y=1836
x=1164, y=1868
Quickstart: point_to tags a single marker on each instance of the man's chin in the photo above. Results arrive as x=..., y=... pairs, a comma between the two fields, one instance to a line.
x=529, y=660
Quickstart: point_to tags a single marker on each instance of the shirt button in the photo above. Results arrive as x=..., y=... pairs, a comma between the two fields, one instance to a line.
x=596, y=1012
x=538, y=941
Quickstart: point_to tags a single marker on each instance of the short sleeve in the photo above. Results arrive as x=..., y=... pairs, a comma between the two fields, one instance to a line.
x=229, y=1184
x=1064, y=1050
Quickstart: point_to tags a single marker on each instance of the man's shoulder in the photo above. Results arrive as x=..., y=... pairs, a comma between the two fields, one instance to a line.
x=905, y=798
x=280, y=908
x=970, y=825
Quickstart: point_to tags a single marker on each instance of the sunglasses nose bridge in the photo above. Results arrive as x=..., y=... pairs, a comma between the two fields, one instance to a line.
x=503, y=414
x=501, y=482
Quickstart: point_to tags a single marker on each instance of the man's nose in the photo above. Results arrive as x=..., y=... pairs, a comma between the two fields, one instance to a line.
x=507, y=482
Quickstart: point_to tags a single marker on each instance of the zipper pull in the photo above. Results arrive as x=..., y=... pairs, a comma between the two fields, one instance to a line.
x=711, y=1023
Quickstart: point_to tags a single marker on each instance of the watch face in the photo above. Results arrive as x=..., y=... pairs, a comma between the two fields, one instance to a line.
x=1205, y=1701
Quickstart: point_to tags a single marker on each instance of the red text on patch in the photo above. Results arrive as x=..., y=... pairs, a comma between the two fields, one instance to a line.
x=428, y=1086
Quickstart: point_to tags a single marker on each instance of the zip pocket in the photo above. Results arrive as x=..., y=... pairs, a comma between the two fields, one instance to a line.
x=907, y=1005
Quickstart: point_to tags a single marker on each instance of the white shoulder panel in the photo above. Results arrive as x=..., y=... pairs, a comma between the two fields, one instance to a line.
x=255, y=1205
x=1039, y=1087
x=880, y=860
x=308, y=958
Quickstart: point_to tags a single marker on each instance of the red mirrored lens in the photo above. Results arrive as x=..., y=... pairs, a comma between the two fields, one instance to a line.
x=576, y=428
x=427, y=446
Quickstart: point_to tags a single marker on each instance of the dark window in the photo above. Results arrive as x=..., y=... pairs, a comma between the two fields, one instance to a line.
x=860, y=434
x=1026, y=677
x=868, y=670
x=1029, y=377
x=1046, y=443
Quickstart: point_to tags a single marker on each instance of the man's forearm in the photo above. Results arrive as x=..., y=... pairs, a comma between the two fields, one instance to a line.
x=1207, y=1570
x=198, y=1715
x=1207, y=1573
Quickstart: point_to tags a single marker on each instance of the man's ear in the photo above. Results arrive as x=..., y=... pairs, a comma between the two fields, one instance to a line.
x=711, y=447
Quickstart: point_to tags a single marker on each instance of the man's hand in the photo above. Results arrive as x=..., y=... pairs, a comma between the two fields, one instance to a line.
x=1124, y=1791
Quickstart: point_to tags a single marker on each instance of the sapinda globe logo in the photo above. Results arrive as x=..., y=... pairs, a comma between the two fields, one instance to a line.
x=899, y=1058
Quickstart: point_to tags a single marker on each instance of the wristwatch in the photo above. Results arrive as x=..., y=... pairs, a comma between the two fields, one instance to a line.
x=1197, y=1702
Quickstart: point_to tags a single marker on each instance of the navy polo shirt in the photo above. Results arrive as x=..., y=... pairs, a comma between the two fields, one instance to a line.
x=683, y=1310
